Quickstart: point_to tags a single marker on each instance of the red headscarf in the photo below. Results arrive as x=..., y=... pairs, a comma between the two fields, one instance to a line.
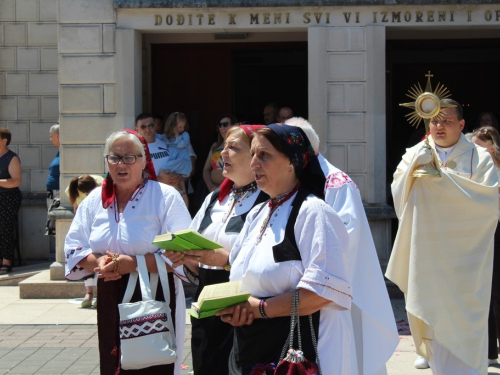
x=227, y=184
x=108, y=186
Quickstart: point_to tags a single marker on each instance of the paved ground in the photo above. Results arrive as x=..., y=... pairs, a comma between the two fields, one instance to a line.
x=56, y=336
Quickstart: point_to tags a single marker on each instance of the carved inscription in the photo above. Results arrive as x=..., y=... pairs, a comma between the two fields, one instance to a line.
x=320, y=18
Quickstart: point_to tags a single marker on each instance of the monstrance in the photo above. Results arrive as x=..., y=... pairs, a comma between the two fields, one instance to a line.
x=427, y=105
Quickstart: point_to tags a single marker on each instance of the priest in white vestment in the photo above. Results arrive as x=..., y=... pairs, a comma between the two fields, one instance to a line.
x=443, y=253
x=374, y=335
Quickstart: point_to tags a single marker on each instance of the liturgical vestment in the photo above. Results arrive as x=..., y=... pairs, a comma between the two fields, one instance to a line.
x=443, y=253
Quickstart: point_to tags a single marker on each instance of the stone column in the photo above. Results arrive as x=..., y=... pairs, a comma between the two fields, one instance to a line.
x=87, y=86
x=347, y=108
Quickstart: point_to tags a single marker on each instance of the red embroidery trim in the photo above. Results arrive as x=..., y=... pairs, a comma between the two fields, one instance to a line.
x=337, y=180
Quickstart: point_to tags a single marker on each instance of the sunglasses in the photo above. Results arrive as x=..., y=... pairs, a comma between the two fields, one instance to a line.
x=224, y=124
x=150, y=126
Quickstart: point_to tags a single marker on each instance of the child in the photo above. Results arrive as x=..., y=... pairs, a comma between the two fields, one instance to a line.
x=178, y=145
x=77, y=191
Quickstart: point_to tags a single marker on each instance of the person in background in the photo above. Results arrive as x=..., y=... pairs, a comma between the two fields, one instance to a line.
x=295, y=242
x=53, y=181
x=220, y=219
x=10, y=199
x=159, y=124
x=284, y=114
x=487, y=119
x=212, y=171
x=488, y=137
x=179, y=147
x=114, y=224
x=373, y=329
x=270, y=113
x=77, y=191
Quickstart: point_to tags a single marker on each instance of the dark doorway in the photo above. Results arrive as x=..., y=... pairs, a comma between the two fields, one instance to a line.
x=468, y=68
x=207, y=80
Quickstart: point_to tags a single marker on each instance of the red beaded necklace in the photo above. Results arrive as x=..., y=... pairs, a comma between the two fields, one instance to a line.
x=274, y=203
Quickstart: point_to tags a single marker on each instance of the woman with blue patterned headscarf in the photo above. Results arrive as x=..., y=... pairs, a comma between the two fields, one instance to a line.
x=293, y=242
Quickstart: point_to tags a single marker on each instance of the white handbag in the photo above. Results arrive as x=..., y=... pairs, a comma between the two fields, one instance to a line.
x=147, y=334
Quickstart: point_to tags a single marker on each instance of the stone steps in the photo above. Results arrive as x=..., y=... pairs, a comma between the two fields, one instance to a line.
x=19, y=274
x=41, y=286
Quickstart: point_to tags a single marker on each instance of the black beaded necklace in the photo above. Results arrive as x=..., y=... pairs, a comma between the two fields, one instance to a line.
x=238, y=195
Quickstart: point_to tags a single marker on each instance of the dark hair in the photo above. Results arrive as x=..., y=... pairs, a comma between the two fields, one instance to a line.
x=85, y=184
x=458, y=108
x=5, y=134
x=231, y=118
x=275, y=107
x=493, y=119
x=489, y=133
x=172, y=121
x=162, y=122
x=143, y=116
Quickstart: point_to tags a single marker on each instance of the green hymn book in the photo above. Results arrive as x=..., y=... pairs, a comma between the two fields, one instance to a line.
x=217, y=297
x=182, y=240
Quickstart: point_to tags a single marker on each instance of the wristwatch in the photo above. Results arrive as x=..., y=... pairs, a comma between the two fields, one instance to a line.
x=227, y=267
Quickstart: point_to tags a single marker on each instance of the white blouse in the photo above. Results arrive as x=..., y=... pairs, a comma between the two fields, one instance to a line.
x=322, y=241
x=157, y=209
x=216, y=231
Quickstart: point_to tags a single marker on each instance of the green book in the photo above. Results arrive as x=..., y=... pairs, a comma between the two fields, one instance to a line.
x=217, y=297
x=182, y=240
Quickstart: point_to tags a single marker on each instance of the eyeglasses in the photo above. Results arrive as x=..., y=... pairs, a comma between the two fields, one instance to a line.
x=150, y=126
x=224, y=124
x=127, y=159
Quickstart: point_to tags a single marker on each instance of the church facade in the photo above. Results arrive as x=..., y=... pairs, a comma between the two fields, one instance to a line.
x=90, y=64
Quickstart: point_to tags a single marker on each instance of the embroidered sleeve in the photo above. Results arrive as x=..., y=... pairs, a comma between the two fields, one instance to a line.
x=77, y=242
x=337, y=179
x=323, y=240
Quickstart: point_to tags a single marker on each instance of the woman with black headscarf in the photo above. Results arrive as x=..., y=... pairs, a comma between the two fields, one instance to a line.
x=294, y=242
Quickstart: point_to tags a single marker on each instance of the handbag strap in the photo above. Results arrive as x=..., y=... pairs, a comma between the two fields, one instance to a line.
x=162, y=273
x=132, y=281
x=295, y=321
x=143, y=281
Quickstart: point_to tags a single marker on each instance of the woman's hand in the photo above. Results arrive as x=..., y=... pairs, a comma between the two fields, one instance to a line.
x=105, y=268
x=176, y=257
x=110, y=270
x=242, y=314
x=217, y=257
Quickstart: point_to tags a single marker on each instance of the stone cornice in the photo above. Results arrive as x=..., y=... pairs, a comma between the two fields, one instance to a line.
x=123, y=4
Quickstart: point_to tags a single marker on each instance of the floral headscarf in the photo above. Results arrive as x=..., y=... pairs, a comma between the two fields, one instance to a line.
x=299, y=150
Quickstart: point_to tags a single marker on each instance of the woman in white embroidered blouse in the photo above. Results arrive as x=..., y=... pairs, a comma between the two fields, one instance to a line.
x=220, y=219
x=296, y=242
x=115, y=223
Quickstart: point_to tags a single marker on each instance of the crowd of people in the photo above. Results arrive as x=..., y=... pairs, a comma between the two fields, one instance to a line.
x=292, y=228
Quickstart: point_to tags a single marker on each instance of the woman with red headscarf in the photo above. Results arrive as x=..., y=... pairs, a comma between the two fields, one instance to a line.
x=113, y=225
x=220, y=219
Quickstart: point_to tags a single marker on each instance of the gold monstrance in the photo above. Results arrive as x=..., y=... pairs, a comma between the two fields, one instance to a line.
x=427, y=105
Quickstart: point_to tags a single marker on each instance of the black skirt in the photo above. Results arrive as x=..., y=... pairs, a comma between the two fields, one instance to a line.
x=108, y=319
x=211, y=339
x=263, y=341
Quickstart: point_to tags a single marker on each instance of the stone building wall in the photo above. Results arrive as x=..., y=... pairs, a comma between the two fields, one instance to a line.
x=87, y=85
x=29, y=105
